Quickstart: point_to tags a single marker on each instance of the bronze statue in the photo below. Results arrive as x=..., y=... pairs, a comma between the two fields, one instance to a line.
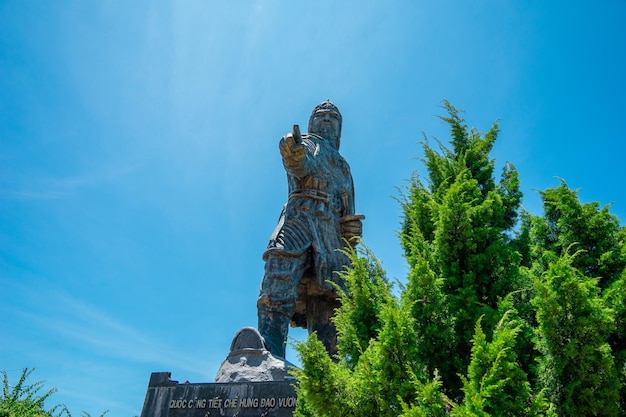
x=304, y=251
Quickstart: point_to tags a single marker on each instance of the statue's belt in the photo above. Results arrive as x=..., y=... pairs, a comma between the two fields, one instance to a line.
x=311, y=194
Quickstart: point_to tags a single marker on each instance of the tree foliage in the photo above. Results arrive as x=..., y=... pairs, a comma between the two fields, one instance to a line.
x=580, y=303
x=456, y=238
x=574, y=324
x=501, y=314
x=379, y=374
x=591, y=231
x=615, y=299
x=495, y=383
x=27, y=400
x=359, y=318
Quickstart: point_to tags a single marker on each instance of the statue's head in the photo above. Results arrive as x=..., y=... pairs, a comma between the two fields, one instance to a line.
x=325, y=121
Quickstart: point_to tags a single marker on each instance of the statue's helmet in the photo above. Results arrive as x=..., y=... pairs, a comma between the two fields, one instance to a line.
x=329, y=107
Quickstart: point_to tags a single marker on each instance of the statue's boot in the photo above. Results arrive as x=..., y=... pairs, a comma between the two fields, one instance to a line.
x=273, y=326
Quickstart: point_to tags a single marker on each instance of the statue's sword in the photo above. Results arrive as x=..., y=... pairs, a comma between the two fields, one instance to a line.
x=297, y=137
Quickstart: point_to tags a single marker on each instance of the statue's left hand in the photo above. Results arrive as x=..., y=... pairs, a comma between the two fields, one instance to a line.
x=352, y=227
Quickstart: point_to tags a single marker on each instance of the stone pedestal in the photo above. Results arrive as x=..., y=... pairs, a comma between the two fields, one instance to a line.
x=167, y=398
x=250, y=383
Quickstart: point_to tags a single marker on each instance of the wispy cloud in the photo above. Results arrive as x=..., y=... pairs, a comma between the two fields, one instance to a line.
x=32, y=195
x=52, y=188
x=88, y=328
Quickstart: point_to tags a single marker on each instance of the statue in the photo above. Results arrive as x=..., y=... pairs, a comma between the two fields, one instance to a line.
x=304, y=252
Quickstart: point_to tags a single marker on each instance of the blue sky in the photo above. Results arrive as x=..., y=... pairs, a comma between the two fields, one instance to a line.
x=140, y=177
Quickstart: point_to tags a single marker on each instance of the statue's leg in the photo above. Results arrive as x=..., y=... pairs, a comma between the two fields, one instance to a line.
x=319, y=317
x=277, y=299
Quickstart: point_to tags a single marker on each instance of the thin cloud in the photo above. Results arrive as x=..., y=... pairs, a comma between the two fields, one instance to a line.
x=58, y=188
x=89, y=328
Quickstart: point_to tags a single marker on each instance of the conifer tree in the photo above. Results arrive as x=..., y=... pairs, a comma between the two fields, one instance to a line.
x=424, y=297
x=615, y=298
x=444, y=345
x=405, y=355
x=599, y=241
x=456, y=237
x=576, y=366
x=591, y=231
x=358, y=320
x=495, y=383
x=379, y=372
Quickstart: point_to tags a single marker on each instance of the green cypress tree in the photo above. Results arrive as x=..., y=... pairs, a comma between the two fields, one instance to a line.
x=390, y=362
x=615, y=298
x=592, y=231
x=378, y=369
x=576, y=366
x=429, y=401
x=457, y=237
x=423, y=296
x=600, y=242
x=495, y=383
x=323, y=385
x=358, y=319
x=403, y=356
